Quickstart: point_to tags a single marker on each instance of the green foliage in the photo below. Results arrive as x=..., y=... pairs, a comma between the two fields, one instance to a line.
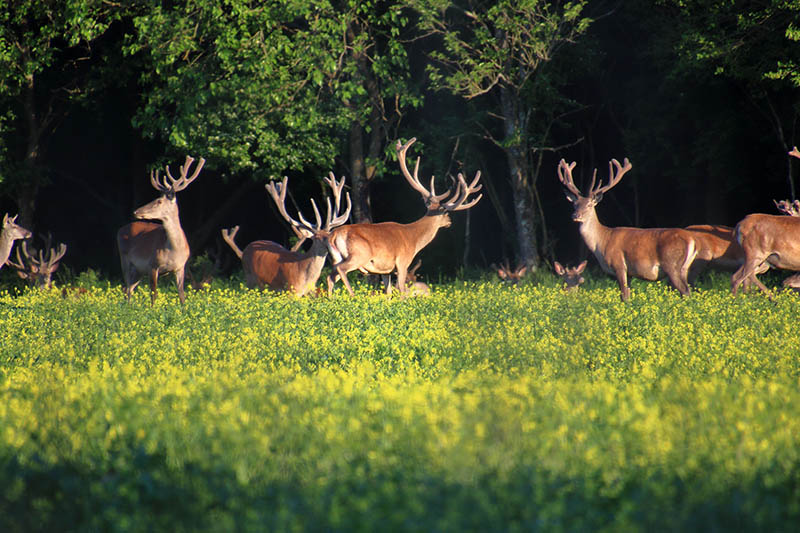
x=481, y=407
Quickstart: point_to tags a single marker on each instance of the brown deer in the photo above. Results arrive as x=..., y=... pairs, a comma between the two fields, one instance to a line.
x=37, y=268
x=269, y=264
x=571, y=275
x=386, y=247
x=150, y=247
x=646, y=253
x=772, y=240
x=509, y=275
x=10, y=232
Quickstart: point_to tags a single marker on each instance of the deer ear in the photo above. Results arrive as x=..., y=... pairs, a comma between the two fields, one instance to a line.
x=559, y=268
x=580, y=267
x=521, y=271
x=502, y=273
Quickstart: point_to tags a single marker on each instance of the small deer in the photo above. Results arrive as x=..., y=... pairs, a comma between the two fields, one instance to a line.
x=386, y=247
x=37, y=266
x=772, y=240
x=571, y=275
x=414, y=286
x=268, y=264
x=153, y=248
x=646, y=253
x=10, y=232
x=509, y=275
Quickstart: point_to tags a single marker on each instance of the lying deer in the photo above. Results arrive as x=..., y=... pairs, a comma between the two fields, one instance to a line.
x=268, y=264
x=37, y=266
x=772, y=240
x=416, y=287
x=386, y=247
x=153, y=248
x=571, y=275
x=10, y=232
x=509, y=275
x=646, y=253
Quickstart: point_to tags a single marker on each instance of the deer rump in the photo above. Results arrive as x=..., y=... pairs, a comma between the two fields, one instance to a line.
x=648, y=253
x=265, y=264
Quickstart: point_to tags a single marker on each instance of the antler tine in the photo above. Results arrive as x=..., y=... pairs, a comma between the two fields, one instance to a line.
x=278, y=193
x=565, y=176
x=56, y=255
x=795, y=152
x=462, y=193
x=181, y=183
x=413, y=179
x=20, y=264
x=318, y=218
x=621, y=170
x=334, y=219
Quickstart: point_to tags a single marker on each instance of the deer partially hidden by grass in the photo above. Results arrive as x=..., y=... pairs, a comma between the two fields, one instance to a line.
x=10, y=232
x=571, y=275
x=157, y=248
x=646, y=253
x=509, y=275
x=268, y=264
x=37, y=266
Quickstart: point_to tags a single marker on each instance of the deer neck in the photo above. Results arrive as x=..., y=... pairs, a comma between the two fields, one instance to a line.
x=594, y=234
x=312, y=263
x=425, y=229
x=176, y=238
x=6, y=242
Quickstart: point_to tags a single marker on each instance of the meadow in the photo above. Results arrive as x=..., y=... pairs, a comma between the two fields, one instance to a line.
x=483, y=407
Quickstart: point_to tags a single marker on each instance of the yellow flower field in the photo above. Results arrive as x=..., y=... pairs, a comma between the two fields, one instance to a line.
x=482, y=407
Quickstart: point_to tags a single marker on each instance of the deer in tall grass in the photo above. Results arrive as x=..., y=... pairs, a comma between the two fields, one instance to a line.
x=38, y=266
x=10, y=232
x=157, y=248
x=509, y=275
x=768, y=240
x=268, y=264
x=386, y=247
x=572, y=276
x=646, y=253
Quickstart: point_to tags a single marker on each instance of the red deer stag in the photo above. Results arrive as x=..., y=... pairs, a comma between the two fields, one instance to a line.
x=509, y=275
x=36, y=267
x=768, y=240
x=646, y=253
x=10, y=232
x=571, y=275
x=150, y=247
x=386, y=247
x=269, y=264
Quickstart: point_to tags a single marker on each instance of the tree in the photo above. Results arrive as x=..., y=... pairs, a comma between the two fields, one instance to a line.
x=497, y=50
x=45, y=48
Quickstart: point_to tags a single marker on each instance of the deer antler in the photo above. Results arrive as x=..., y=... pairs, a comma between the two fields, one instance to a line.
x=788, y=208
x=795, y=152
x=457, y=198
x=565, y=176
x=333, y=218
x=613, y=175
x=168, y=184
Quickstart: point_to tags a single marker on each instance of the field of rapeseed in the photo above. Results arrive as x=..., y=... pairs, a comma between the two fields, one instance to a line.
x=482, y=407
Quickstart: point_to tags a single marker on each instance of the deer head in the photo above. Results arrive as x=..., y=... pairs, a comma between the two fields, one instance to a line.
x=166, y=207
x=571, y=275
x=37, y=266
x=583, y=206
x=509, y=275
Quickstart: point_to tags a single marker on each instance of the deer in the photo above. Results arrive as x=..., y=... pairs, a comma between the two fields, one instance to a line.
x=386, y=247
x=571, y=275
x=37, y=268
x=10, y=232
x=646, y=253
x=509, y=275
x=416, y=287
x=268, y=264
x=157, y=248
x=771, y=240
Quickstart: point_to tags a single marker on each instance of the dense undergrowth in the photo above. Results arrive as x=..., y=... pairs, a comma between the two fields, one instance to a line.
x=482, y=407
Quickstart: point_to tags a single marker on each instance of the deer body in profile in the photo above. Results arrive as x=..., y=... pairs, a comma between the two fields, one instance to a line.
x=772, y=240
x=386, y=247
x=153, y=248
x=646, y=253
x=10, y=232
x=268, y=264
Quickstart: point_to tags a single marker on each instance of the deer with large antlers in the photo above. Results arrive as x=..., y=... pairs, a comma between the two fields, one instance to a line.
x=646, y=253
x=37, y=266
x=268, y=264
x=386, y=247
x=768, y=240
x=153, y=248
x=10, y=232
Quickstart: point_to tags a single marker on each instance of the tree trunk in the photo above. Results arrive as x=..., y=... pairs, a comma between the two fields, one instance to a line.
x=358, y=177
x=29, y=182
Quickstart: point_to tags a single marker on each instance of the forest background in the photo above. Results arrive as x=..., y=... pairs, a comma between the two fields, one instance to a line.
x=703, y=96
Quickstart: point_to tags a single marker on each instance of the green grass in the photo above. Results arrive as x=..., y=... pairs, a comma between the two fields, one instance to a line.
x=482, y=407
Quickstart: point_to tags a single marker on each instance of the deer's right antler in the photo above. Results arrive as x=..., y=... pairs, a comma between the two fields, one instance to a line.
x=168, y=184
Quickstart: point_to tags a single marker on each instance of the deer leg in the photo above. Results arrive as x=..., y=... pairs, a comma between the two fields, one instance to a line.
x=153, y=286
x=387, y=283
x=179, y=277
x=622, y=281
x=131, y=278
